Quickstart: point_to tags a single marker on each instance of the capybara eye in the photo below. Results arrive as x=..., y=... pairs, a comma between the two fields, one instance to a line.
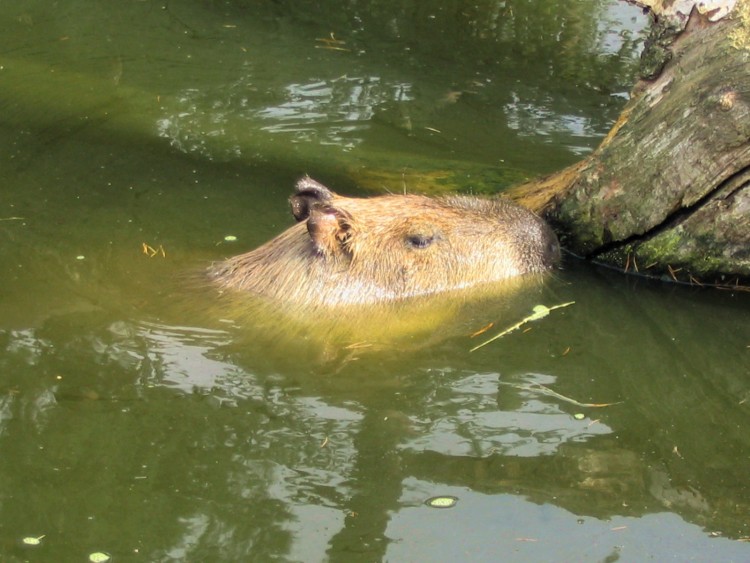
x=419, y=240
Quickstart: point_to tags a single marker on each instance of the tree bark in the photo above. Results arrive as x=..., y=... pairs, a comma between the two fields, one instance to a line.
x=667, y=193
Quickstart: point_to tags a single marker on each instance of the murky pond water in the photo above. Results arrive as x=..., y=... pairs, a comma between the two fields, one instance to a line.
x=141, y=418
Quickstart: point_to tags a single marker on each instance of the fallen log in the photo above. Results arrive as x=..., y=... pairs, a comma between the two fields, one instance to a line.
x=667, y=193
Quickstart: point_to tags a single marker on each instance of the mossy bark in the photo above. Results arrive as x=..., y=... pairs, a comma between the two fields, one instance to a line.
x=668, y=191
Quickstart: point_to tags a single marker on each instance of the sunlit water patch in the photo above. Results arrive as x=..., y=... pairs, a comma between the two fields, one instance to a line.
x=467, y=418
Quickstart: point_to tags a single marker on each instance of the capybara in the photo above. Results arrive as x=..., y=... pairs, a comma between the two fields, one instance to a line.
x=357, y=251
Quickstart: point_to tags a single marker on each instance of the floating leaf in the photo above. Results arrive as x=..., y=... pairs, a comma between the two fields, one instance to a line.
x=33, y=540
x=446, y=501
x=99, y=557
x=538, y=312
x=230, y=238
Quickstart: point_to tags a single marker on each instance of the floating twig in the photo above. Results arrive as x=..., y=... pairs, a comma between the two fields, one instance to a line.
x=538, y=387
x=482, y=330
x=150, y=251
x=331, y=43
x=539, y=312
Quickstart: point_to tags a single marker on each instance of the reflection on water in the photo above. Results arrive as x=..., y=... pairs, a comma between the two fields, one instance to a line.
x=331, y=112
x=142, y=415
x=182, y=354
x=469, y=422
x=532, y=119
x=295, y=449
x=345, y=104
x=238, y=441
x=526, y=535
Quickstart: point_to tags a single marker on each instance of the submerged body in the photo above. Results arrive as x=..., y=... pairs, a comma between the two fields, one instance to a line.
x=361, y=251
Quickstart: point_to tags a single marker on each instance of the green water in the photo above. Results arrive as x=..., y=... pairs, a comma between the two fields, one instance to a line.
x=137, y=419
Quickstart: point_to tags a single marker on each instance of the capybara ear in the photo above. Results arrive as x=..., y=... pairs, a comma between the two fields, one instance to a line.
x=329, y=229
x=308, y=193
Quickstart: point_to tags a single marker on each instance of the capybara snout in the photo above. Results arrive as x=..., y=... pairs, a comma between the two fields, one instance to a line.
x=387, y=248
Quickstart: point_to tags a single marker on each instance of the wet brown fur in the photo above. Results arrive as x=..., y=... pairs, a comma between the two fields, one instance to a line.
x=347, y=251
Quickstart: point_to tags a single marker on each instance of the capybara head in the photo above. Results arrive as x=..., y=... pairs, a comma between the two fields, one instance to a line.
x=349, y=251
